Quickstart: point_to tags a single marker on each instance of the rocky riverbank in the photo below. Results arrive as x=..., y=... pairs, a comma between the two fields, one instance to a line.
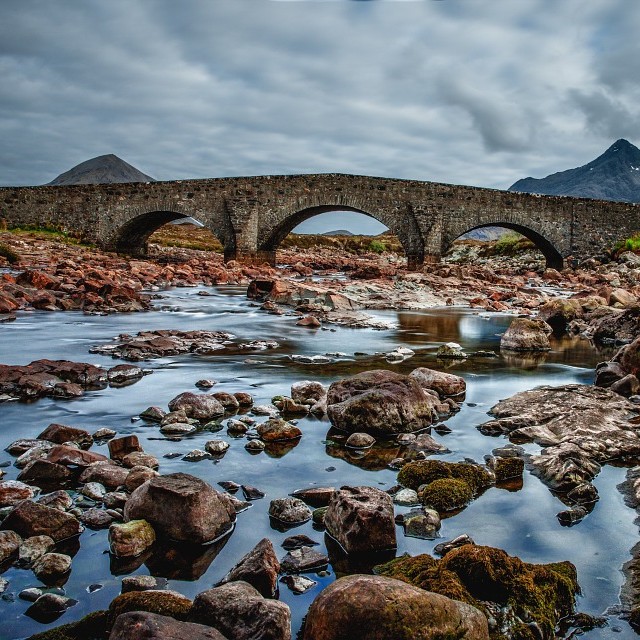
x=52, y=274
x=175, y=524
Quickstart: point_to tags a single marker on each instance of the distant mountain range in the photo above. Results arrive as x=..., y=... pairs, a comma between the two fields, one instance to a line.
x=101, y=170
x=615, y=175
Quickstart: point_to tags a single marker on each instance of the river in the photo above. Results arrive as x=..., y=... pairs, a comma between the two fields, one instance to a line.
x=521, y=522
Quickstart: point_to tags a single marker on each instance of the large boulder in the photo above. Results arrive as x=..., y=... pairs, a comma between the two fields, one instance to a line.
x=239, y=611
x=380, y=402
x=199, y=406
x=380, y=608
x=444, y=384
x=31, y=519
x=181, y=507
x=136, y=625
x=525, y=334
x=361, y=519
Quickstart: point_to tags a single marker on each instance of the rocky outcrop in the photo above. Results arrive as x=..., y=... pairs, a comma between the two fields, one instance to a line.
x=50, y=378
x=580, y=427
x=379, y=608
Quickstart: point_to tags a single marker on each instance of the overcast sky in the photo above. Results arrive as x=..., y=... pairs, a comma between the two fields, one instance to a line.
x=478, y=92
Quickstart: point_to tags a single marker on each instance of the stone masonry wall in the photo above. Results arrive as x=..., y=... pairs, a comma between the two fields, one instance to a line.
x=252, y=215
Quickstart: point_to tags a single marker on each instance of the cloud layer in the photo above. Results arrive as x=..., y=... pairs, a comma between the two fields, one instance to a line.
x=464, y=92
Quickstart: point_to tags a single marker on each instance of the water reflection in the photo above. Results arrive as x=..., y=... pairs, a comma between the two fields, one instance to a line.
x=522, y=522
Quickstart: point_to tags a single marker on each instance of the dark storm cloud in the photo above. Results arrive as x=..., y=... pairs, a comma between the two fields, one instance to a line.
x=464, y=92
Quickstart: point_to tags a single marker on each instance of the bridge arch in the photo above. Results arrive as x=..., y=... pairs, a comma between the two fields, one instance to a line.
x=551, y=254
x=409, y=237
x=132, y=236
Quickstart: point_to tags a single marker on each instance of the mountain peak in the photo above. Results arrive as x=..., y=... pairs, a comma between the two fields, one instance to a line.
x=107, y=169
x=614, y=175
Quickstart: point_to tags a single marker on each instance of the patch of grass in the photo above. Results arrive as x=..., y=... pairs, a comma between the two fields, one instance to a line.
x=629, y=244
x=186, y=236
x=510, y=244
x=377, y=247
x=356, y=245
x=47, y=232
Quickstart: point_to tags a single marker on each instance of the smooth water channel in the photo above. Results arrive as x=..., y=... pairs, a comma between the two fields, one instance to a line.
x=521, y=522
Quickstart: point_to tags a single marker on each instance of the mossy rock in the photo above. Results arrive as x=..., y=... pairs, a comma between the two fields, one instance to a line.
x=166, y=603
x=545, y=592
x=507, y=469
x=447, y=494
x=426, y=572
x=91, y=627
x=476, y=574
x=415, y=474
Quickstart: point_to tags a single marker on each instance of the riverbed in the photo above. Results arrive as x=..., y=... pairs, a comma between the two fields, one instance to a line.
x=522, y=522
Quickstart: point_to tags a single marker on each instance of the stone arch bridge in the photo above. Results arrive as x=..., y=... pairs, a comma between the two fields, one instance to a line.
x=251, y=216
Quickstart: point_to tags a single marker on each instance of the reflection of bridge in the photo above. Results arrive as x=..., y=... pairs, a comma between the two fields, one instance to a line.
x=251, y=216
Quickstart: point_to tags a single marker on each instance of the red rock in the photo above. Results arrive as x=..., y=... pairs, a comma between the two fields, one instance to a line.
x=65, y=455
x=30, y=519
x=120, y=447
x=60, y=433
x=361, y=519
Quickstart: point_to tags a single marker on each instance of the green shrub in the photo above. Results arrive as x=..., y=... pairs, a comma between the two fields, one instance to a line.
x=376, y=246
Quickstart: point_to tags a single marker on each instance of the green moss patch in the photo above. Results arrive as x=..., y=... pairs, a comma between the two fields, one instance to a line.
x=91, y=627
x=446, y=494
x=474, y=574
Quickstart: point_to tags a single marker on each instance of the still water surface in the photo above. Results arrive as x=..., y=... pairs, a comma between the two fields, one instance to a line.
x=522, y=522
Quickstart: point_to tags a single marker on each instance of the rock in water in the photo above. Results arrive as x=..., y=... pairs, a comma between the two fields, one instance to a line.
x=239, y=611
x=381, y=403
x=259, y=568
x=361, y=519
x=181, y=507
x=580, y=426
x=131, y=538
x=444, y=384
x=30, y=519
x=380, y=608
x=525, y=334
x=153, y=626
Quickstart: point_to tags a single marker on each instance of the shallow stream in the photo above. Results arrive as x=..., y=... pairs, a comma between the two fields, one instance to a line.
x=521, y=522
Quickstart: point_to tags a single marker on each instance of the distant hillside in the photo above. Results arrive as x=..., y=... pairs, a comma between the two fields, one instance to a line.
x=102, y=170
x=339, y=232
x=485, y=234
x=615, y=175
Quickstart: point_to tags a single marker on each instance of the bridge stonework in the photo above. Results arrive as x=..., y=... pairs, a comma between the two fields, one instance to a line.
x=251, y=216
